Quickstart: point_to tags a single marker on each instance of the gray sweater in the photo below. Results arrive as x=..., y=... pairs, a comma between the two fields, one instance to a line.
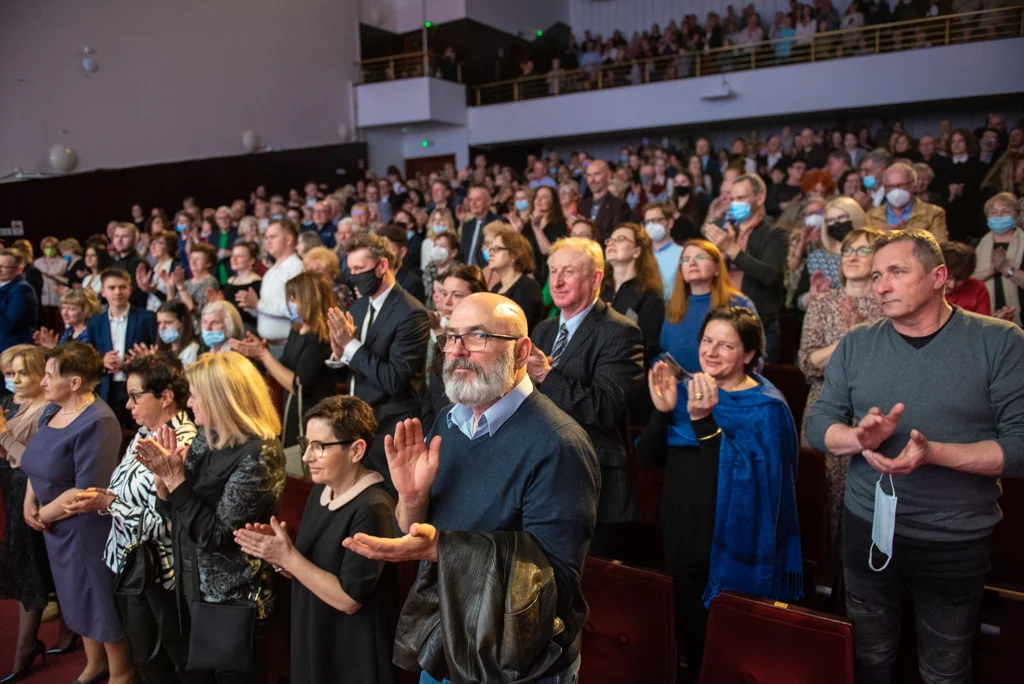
x=966, y=385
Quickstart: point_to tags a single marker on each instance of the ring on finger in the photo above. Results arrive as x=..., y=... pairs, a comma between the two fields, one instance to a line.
x=699, y=395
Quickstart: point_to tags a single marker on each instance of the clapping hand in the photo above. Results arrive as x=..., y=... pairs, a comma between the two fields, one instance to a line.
x=92, y=499
x=142, y=276
x=412, y=464
x=419, y=545
x=112, y=362
x=850, y=313
x=916, y=453
x=342, y=327
x=664, y=387
x=538, y=365
x=251, y=347
x=999, y=260
x=161, y=455
x=701, y=396
x=876, y=427
x=1006, y=313
x=270, y=543
x=819, y=284
x=44, y=337
x=140, y=350
x=178, y=276
x=516, y=221
x=247, y=299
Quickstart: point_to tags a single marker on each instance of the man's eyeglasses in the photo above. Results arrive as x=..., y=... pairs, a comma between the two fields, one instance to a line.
x=860, y=251
x=317, y=448
x=472, y=341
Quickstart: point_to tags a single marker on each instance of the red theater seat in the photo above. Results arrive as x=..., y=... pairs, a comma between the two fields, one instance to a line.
x=755, y=640
x=791, y=382
x=630, y=635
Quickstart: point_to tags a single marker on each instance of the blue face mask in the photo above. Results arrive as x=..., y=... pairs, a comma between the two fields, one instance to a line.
x=624, y=158
x=1001, y=224
x=213, y=338
x=181, y=227
x=169, y=335
x=293, y=314
x=9, y=384
x=487, y=256
x=67, y=258
x=739, y=211
x=439, y=228
x=522, y=205
x=409, y=234
x=554, y=170
x=869, y=182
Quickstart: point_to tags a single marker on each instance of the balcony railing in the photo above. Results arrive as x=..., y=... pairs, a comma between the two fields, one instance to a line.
x=867, y=40
x=408, y=65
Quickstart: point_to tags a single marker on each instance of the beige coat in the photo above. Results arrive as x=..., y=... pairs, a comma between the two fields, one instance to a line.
x=922, y=215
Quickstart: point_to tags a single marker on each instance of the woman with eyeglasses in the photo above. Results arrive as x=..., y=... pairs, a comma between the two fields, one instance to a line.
x=157, y=394
x=821, y=271
x=829, y=317
x=632, y=283
x=510, y=257
x=702, y=285
x=344, y=606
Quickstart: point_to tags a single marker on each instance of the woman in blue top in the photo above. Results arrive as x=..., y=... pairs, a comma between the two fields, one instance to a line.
x=77, y=306
x=702, y=284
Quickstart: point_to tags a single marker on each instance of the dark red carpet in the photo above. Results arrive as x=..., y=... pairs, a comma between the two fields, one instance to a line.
x=58, y=670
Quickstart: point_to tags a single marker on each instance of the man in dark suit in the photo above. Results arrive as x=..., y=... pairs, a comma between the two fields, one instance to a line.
x=478, y=215
x=126, y=258
x=602, y=207
x=709, y=164
x=382, y=342
x=405, y=276
x=114, y=333
x=590, y=362
x=19, y=304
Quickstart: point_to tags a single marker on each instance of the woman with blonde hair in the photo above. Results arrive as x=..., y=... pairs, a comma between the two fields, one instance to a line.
x=300, y=371
x=77, y=306
x=231, y=474
x=822, y=269
x=702, y=285
x=632, y=283
x=1000, y=255
x=1005, y=176
x=439, y=222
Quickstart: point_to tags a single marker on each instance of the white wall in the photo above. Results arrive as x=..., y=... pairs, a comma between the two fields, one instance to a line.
x=176, y=80
x=410, y=100
x=604, y=16
x=918, y=76
x=442, y=140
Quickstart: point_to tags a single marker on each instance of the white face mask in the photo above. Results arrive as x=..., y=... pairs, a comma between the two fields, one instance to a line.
x=897, y=197
x=883, y=527
x=439, y=255
x=814, y=221
x=655, y=231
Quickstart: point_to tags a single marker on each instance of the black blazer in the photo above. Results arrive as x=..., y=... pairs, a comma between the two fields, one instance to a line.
x=389, y=367
x=764, y=264
x=469, y=227
x=141, y=330
x=527, y=293
x=646, y=308
x=411, y=283
x=613, y=213
x=597, y=378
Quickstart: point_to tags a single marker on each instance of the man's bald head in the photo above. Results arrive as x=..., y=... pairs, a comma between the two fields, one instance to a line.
x=490, y=312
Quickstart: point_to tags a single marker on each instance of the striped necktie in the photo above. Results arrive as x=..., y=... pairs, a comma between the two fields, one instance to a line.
x=561, y=342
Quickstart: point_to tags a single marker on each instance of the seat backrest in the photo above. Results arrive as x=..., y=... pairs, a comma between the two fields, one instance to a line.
x=630, y=634
x=757, y=640
x=791, y=382
x=1007, y=551
x=812, y=505
x=293, y=502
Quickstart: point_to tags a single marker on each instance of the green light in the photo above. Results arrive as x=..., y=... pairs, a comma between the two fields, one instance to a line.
x=427, y=24
x=539, y=33
x=425, y=143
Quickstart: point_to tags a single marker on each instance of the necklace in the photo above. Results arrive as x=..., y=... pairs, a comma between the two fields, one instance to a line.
x=65, y=412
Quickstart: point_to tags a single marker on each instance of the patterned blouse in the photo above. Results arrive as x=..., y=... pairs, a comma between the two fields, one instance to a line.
x=133, y=513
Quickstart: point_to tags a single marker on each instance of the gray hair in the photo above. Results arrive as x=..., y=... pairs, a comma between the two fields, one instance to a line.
x=926, y=247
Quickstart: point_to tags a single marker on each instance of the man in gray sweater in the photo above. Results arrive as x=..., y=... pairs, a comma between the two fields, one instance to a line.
x=932, y=401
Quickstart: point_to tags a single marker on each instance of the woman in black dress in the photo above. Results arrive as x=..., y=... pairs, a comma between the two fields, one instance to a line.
x=510, y=256
x=632, y=284
x=244, y=257
x=301, y=370
x=344, y=606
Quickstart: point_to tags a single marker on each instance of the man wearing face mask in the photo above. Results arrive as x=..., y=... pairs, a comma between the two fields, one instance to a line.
x=478, y=203
x=755, y=249
x=382, y=342
x=657, y=224
x=903, y=210
x=871, y=169
x=923, y=484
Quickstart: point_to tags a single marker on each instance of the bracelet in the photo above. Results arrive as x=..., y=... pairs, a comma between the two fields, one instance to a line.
x=711, y=436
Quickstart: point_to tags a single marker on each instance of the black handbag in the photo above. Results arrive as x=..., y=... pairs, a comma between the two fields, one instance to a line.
x=138, y=572
x=221, y=633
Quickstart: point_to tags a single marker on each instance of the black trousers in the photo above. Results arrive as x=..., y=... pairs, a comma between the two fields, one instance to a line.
x=140, y=617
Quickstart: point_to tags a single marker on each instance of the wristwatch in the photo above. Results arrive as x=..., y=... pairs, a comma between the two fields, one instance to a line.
x=1010, y=272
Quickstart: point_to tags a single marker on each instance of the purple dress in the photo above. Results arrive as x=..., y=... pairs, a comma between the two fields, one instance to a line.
x=81, y=455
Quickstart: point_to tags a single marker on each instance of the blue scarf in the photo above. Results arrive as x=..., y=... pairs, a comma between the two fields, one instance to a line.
x=756, y=543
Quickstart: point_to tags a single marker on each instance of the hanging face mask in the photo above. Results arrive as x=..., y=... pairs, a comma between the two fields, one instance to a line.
x=9, y=384
x=1001, y=224
x=869, y=182
x=293, y=313
x=522, y=205
x=213, y=338
x=739, y=211
x=897, y=197
x=655, y=231
x=439, y=255
x=169, y=335
x=839, y=230
x=439, y=228
x=814, y=221
x=367, y=282
x=883, y=527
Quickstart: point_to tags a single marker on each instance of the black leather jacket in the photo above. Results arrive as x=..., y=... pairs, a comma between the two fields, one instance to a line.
x=485, y=612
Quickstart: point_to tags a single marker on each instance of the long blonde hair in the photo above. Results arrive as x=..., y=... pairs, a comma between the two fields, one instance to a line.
x=235, y=399
x=722, y=290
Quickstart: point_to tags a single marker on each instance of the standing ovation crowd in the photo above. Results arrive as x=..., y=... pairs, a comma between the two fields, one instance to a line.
x=455, y=361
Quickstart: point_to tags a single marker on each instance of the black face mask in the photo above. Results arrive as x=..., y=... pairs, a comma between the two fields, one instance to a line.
x=367, y=282
x=839, y=230
x=682, y=191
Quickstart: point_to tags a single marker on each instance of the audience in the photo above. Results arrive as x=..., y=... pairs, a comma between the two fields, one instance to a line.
x=219, y=324
x=632, y=284
x=19, y=304
x=1000, y=256
x=600, y=206
x=902, y=210
x=443, y=255
x=511, y=258
x=244, y=257
x=962, y=289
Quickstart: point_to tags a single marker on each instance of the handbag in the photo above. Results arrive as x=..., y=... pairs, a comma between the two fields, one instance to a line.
x=293, y=463
x=221, y=633
x=138, y=571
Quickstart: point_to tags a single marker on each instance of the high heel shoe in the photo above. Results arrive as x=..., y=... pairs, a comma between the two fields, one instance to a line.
x=94, y=680
x=72, y=646
x=38, y=649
